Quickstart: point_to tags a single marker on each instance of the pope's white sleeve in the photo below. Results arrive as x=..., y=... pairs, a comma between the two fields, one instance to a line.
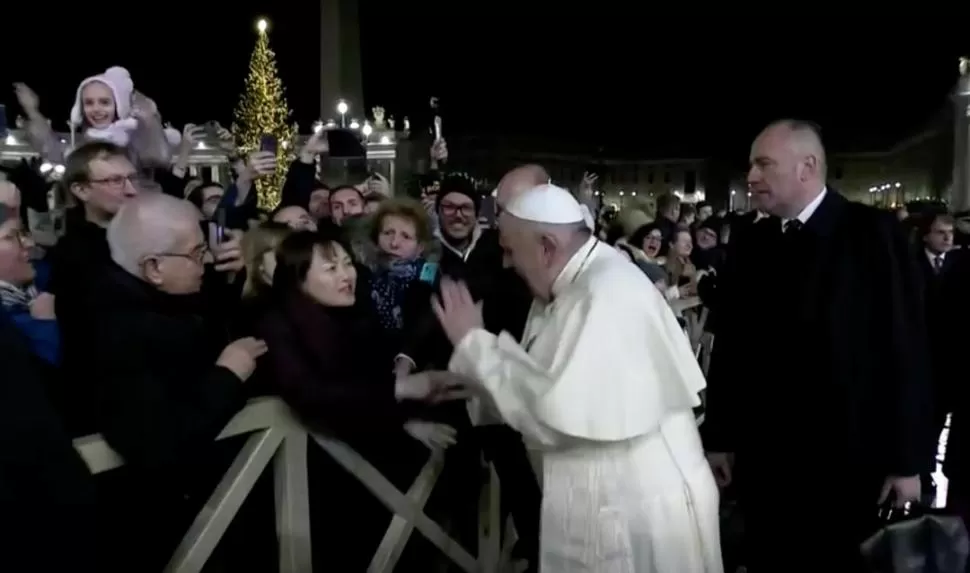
x=513, y=380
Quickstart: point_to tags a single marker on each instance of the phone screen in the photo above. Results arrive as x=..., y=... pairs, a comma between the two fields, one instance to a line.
x=267, y=143
x=217, y=228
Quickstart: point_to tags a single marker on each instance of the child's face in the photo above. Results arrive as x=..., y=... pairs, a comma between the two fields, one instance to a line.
x=98, y=105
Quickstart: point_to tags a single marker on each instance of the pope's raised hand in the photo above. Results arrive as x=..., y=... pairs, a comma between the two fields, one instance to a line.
x=457, y=312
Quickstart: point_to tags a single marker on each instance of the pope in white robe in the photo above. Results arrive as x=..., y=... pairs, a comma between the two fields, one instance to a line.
x=603, y=388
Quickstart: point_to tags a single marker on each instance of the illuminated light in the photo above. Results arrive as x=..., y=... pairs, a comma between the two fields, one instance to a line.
x=201, y=145
x=633, y=193
x=10, y=140
x=367, y=129
x=897, y=185
x=733, y=192
x=59, y=169
x=45, y=167
x=385, y=140
x=317, y=126
x=261, y=25
x=342, y=107
x=331, y=124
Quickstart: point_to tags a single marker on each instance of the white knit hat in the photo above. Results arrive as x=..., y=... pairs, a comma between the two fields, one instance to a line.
x=119, y=81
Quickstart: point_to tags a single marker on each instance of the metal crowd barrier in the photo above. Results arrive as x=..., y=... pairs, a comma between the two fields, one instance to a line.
x=277, y=436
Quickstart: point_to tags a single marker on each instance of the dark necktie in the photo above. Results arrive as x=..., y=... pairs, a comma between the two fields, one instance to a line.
x=938, y=264
x=792, y=226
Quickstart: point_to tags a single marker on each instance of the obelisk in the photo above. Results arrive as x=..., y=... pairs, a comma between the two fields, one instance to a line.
x=340, y=67
x=960, y=192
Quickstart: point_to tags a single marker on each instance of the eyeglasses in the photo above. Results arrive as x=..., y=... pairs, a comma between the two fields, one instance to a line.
x=118, y=180
x=450, y=209
x=197, y=255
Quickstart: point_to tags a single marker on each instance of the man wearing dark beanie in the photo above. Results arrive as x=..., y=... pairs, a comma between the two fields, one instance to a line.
x=474, y=255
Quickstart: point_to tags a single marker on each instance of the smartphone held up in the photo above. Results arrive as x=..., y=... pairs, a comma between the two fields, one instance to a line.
x=267, y=142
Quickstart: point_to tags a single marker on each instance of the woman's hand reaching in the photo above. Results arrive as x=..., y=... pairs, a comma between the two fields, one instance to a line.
x=435, y=436
x=432, y=386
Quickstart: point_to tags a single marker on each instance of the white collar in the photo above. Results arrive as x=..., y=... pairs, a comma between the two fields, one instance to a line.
x=809, y=209
x=933, y=256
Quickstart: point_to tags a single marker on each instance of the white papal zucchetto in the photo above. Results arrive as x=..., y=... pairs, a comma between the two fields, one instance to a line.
x=546, y=203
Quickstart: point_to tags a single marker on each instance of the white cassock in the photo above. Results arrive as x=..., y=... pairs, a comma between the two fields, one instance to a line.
x=604, y=390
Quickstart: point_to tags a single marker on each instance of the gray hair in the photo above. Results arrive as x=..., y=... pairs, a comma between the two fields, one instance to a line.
x=146, y=225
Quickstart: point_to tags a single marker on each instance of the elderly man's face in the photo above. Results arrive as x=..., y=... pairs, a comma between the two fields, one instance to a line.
x=524, y=252
x=180, y=270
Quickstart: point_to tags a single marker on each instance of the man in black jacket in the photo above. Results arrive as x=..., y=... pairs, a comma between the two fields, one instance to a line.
x=168, y=380
x=819, y=382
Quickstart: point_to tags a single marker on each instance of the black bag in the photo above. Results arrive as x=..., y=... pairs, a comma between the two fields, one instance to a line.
x=915, y=539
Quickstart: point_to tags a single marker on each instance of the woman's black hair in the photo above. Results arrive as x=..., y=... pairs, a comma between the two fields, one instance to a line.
x=295, y=255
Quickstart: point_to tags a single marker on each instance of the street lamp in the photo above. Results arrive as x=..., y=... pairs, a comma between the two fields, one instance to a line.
x=261, y=25
x=342, y=109
x=367, y=129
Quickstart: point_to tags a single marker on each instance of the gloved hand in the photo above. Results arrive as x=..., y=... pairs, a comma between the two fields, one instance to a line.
x=435, y=436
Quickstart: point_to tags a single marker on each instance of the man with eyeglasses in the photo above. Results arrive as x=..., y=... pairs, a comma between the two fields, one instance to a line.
x=98, y=179
x=473, y=254
x=168, y=377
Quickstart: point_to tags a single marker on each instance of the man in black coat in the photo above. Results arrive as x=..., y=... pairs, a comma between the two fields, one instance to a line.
x=168, y=378
x=819, y=393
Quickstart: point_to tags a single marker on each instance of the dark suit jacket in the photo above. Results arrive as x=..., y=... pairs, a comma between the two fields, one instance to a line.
x=819, y=377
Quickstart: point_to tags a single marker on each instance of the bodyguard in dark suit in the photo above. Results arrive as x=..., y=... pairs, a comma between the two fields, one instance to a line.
x=819, y=395
x=944, y=274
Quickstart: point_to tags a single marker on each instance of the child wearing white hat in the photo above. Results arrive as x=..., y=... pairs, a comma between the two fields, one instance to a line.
x=103, y=108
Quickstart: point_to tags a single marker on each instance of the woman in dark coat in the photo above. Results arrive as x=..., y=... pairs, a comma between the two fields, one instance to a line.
x=330, y=362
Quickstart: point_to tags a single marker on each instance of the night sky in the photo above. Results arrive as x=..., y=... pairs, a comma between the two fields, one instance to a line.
x=633, y=83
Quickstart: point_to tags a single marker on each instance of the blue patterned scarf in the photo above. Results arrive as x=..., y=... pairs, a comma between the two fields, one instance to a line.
x=388, y=286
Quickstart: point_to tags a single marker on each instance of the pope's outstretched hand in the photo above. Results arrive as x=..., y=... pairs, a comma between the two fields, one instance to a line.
x=457, y=312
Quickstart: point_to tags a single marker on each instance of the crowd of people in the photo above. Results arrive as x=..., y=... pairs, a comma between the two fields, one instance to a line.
x=547, y=343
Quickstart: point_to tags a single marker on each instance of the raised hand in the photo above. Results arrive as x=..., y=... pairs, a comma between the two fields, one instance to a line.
x=240, y=356
x=27, y=99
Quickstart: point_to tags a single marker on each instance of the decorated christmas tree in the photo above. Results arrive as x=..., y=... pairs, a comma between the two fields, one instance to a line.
x=262, y=110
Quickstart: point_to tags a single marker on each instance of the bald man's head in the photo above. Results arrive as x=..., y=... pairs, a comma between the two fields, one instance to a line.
x=520, y=179
x=158, y=239
x=788, y=167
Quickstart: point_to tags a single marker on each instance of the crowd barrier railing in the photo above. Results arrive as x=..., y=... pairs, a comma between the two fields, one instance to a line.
x=278, y=437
